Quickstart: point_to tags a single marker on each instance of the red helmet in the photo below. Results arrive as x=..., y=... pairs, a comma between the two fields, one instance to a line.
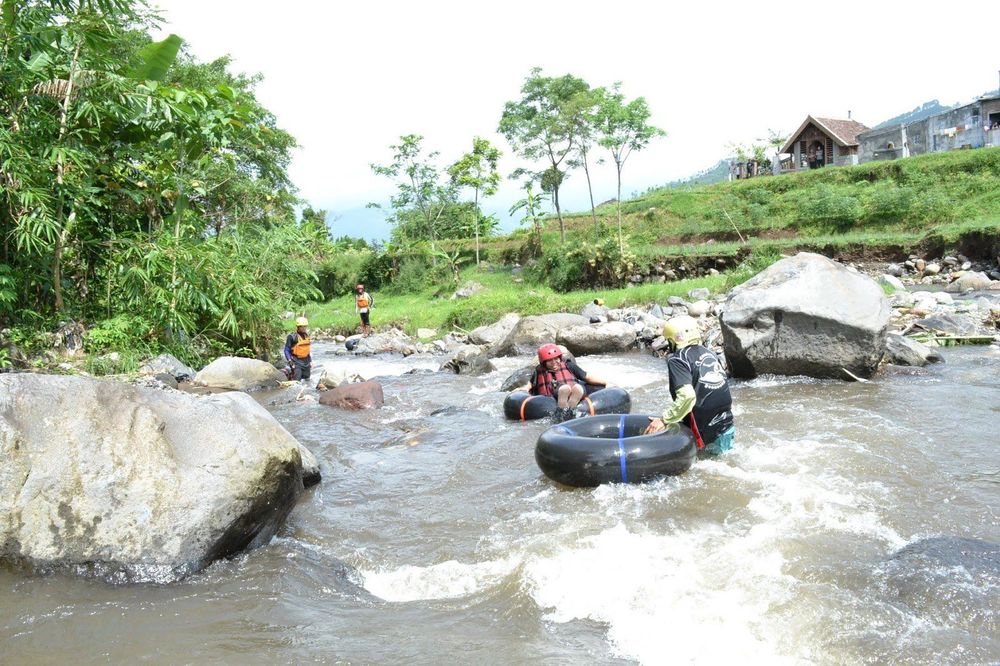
x=548, y=352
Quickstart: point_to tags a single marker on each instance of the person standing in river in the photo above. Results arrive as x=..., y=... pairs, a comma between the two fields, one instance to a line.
x=699, y=389
x=297, y=350
x=363, y=303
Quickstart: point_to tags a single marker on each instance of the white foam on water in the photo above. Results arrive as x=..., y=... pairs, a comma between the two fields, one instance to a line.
x=686, y=597
x=446, y=580
x=374, y=366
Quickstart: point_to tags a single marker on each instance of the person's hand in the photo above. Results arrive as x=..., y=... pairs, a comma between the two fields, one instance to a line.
x=655, y=425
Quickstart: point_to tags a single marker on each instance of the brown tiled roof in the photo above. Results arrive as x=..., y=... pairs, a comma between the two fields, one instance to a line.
x=844, y=132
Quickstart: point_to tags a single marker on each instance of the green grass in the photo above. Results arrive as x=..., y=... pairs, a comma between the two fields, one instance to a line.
x=881, y=203
x=430, y=309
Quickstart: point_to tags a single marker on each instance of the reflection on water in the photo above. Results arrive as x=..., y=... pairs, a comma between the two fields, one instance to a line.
x=434, y=538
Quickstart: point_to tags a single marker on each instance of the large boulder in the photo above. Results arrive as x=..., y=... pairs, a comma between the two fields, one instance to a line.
x=168, y=364
x=494, y=333
x=530, y=332
x=468, y=360
x=135, y=483
x=363, y=395
x=805, y=315
x=517, y=379
x=239, y=374
x=609, y=337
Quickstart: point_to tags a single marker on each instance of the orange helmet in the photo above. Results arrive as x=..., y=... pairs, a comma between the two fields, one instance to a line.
x=549, y=351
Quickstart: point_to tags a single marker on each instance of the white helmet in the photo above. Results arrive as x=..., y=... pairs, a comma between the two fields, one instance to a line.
x=682, y=331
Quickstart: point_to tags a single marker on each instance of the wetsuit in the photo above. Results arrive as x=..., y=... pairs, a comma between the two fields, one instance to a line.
x=699, y=367
x=298, y=355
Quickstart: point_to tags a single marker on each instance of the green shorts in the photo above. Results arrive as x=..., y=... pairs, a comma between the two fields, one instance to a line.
x=722, y=443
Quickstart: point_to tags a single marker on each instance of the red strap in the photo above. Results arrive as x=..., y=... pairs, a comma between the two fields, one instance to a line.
x=697, y=435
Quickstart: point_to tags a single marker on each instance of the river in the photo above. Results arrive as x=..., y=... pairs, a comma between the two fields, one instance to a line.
x=435, y=539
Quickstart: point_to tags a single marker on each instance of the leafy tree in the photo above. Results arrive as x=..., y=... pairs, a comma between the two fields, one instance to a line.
x=457, y=220
x=541, y=126
x=624, y=128
x=477, y=169
x=419, y=183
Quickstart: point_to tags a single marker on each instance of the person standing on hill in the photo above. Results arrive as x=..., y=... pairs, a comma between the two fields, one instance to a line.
x=363, y=303
x=698, y=387
x=297, y=350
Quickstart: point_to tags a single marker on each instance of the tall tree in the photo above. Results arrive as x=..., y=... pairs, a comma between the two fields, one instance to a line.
x=419, y=184
x=540, y=126
x=582, y=111
x=477, y=169
x=624, y=128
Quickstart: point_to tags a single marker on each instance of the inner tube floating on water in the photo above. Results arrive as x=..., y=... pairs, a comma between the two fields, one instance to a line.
x=521, y=406
x=612, y=449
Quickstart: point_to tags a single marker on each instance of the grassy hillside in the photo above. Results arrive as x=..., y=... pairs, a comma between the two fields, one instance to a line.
x=897, y=203
x=879, y=210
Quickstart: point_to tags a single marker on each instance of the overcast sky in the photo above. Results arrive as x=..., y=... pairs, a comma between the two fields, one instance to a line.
x=347, y=79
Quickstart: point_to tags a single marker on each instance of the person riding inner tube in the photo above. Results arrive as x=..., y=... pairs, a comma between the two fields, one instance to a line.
x=522, y=406
x=564, y=381
x=613, y=449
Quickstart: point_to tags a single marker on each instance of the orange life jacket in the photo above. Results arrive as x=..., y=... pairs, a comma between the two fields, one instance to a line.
x=301, y=348
x=362, y=300
x=548, y=382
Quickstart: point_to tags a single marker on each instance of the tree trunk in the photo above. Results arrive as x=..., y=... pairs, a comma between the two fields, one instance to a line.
x=475, y=211
x=621, y=243
x=562, y=225
x=590, y=191
x=60, y=172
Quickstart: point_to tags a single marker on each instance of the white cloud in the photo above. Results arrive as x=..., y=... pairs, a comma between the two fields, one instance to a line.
x=347, y=79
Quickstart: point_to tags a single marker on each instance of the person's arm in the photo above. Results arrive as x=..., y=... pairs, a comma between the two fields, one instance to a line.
x=684, y=397
x=584, y=376
x=288, y=347
x=371, y=300
x=356, y=309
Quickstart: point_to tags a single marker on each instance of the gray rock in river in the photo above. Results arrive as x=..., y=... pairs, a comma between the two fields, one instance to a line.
x=239, y=374
x=139, y=484
x=900, y=350
x=494, y=333
x=530, y=332
x=805, y=315
x=167, y=363
x=468, y=360
x=517, y=379
x=955, y=580
x=612, y=336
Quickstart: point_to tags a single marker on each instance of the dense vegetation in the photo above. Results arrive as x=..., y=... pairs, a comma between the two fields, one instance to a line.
x=145, y=195
x=140, y=188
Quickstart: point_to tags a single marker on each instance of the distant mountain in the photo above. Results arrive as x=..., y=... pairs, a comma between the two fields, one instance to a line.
x=924, y=110
x=714, y=174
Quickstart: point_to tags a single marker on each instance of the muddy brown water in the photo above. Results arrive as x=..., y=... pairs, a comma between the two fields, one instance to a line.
x=435, y=539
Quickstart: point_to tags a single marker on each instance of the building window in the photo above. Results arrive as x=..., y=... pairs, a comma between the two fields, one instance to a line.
x=890, y=146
